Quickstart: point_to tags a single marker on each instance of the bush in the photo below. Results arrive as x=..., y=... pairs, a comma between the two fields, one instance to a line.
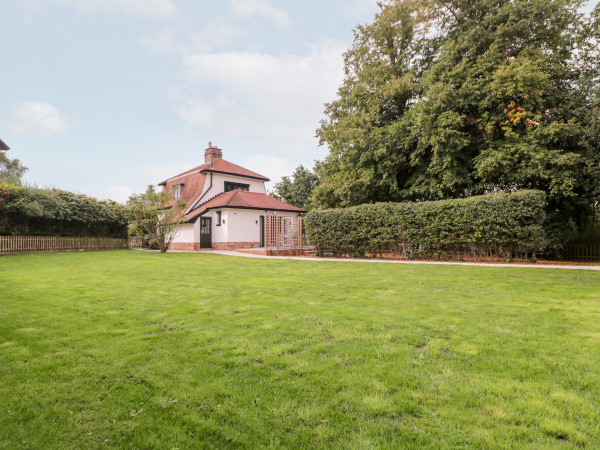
x=39, y=212
x=494, y=225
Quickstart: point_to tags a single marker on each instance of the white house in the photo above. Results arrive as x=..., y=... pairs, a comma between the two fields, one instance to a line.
x=226, y=205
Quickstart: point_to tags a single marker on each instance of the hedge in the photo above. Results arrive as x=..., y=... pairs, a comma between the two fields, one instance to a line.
x=29, y=211
x=503, y=225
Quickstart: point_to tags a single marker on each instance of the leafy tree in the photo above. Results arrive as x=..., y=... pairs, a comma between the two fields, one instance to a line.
x=156, y=215
x=11, y=170
x=453, y=98
x=298, y=190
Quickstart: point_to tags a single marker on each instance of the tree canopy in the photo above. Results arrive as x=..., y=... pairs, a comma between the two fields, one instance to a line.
x=11, y=170
x=155, y=215
x=453, y=98
x=298, y=190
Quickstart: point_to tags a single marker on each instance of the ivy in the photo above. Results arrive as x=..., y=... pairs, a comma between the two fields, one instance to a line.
x=28, y=211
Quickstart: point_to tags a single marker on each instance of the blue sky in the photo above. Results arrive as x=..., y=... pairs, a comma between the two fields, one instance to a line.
x=104, y=97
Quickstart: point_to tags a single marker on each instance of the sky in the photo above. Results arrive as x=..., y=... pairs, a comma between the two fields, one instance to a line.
x=104, y=97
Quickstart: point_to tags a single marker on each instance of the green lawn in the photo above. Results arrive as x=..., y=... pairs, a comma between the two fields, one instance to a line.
x=141, y=350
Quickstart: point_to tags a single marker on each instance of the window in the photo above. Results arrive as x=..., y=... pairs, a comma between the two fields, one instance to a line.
x=231, y=186
x=218, y=218
x=177, y=191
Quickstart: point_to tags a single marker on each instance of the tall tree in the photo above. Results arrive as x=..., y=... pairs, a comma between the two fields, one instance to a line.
x=11, y=170
x=451, y=98
x=298, y=190
x=156, y=215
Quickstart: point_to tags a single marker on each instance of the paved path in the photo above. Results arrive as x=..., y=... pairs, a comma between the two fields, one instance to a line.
x=388, y=261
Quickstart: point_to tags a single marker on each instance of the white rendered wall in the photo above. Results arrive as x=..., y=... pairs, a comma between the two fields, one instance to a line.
x=219, y=233
x=237, y=225
x=196, y=230
x=218, y=184
x=186, y=234
x=243, y=225
x=255, y=185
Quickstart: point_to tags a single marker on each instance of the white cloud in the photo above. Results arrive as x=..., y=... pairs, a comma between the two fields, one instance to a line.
x=266, y=97
x=261, y=8
x=273, y=167
x=136, y=179
x=155, y=173
x=149, y=9
x=365, y=9
x=588, y=7
x=118, y=194
x=215, y=34
x=39, y=118
x=163, y=42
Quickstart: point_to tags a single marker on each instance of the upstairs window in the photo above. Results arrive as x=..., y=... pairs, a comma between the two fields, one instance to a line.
x=177, y=191
x=231, y=186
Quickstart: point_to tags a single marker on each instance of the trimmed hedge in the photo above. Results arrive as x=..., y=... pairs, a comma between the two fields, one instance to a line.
x=487, y=226
x=28, y=211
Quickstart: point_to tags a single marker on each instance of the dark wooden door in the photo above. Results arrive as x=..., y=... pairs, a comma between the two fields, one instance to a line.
x=262, y=231
x=205, y=232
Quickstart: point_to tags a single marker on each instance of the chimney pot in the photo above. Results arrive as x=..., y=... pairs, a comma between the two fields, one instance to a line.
x=212, y=153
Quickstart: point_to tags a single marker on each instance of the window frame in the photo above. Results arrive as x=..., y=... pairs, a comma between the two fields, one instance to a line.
x=177, y=189
x=233, y=186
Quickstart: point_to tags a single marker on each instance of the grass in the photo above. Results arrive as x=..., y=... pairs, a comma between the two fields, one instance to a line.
x=141, y=350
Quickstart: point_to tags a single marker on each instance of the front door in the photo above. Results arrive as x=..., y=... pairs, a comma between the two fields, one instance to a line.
x=262, y=231
x=205, y=232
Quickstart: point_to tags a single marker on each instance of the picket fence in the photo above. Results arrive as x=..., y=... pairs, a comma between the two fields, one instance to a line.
x=39, y=244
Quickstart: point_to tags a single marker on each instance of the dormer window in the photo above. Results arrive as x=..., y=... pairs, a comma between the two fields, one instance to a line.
x=231, y=186
x=177, y=191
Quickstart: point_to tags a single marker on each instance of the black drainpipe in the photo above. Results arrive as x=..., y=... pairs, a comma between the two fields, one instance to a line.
x=198, y=201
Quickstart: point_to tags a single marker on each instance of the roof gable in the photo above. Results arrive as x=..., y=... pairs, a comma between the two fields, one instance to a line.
x=220, y=166
x=193, y=182
x=193, y=185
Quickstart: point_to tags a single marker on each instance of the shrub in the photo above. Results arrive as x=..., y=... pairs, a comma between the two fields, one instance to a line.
x=494, y=225
x=40, y=212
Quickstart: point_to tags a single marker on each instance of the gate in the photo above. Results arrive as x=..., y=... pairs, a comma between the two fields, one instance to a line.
x=283, y=235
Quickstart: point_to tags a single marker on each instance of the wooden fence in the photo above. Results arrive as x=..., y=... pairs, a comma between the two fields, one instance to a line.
x=39, y=244
x=283, y=235
x=582, y=251
x=136, y=242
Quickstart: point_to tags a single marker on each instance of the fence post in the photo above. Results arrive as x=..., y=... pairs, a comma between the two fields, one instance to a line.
x=277, y=222
x=300, y=235
x=266, y=236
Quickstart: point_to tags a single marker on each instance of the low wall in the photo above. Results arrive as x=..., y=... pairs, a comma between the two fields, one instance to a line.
x=234, y=245
x=195, y=246
x=184, y=246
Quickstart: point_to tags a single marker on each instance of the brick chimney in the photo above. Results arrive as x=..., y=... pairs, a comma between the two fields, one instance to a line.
x=212, y=153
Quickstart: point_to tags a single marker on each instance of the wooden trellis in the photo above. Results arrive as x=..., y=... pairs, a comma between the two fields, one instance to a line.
x=283, y=235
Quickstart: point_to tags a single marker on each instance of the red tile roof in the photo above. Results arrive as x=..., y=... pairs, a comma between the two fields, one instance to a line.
x=220, y=166
x=193, y=183
x=243, y=200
